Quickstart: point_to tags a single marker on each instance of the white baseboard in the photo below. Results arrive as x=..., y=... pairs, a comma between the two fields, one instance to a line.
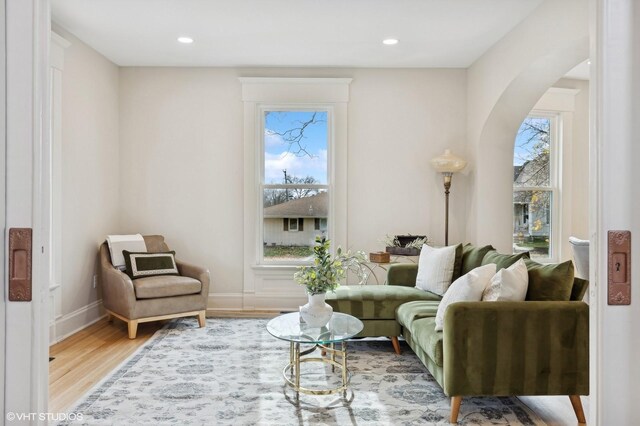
x=255, y=302
x=225, y=301
x=75, y=321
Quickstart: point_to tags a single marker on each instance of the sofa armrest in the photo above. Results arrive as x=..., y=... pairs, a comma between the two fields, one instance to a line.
x=118, y=294
x=403, y=274
x=516, y=348
x=197, y=273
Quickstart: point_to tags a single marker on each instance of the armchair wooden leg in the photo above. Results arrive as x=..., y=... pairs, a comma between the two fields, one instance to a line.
x=396, y=344
x=577, y=408
x=109, y=317
x=202, y=318
x=455, y=409
x=133, y=328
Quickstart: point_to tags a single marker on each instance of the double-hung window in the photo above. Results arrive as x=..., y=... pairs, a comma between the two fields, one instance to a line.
x=295, y=205
x=535, y=187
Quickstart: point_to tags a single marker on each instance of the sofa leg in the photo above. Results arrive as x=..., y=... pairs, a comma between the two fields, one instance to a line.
x=455, y=409
x=577, y=408
x=133, y=328
x=202, y=318
x=396, y=344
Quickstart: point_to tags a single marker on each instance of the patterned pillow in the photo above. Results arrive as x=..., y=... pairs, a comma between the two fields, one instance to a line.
x=142, y=265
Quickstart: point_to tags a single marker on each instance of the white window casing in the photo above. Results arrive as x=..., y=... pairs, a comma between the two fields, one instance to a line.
x=271, y=286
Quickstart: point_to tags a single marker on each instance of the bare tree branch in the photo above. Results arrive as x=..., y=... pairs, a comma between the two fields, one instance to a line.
x=295, y=137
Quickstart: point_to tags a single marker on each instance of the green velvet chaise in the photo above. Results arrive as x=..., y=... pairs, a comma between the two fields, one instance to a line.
x=486, y=348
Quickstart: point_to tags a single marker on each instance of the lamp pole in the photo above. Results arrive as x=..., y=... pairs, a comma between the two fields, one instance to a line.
x=447, y=187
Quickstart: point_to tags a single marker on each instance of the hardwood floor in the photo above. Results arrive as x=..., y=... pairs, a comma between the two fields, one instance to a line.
x=85, y=358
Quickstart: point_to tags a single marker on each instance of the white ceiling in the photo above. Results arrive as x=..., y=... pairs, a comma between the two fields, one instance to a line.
x=306, y=33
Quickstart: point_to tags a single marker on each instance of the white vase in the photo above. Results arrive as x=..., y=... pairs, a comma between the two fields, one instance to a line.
x=316, y=313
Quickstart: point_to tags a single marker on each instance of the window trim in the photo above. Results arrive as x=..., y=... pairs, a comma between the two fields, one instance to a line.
x=555, y=182
x=261, y=185
x=271, y=286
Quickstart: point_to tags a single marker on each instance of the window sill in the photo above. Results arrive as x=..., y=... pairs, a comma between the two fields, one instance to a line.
x=275, y=268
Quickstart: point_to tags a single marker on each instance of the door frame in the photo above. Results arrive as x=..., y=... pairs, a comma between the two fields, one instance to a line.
x=27, y=202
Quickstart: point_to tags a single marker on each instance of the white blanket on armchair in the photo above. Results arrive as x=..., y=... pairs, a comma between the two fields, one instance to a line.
x=117, y=243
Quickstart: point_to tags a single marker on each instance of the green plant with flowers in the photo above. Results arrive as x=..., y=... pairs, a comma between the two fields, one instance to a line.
x=327, y=271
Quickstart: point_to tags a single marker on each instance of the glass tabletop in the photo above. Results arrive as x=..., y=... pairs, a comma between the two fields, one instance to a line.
x=291, y=328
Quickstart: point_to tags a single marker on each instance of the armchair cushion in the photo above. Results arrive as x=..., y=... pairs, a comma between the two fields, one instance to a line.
x=140, y=265
x=165, y=286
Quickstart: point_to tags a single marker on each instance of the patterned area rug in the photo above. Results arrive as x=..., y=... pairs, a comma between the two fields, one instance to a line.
x=230, y=373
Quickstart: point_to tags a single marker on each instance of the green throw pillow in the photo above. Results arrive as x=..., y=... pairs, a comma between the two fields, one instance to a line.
x=502, y=261
x=144, y=264
x=579, y=288
x=550, y=282
x=457, y=264
x=472, y=257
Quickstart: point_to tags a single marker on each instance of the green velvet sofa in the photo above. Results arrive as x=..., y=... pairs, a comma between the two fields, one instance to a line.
x=486, y=348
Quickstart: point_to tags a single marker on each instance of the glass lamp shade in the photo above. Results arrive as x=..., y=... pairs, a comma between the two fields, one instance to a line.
x=448, y=163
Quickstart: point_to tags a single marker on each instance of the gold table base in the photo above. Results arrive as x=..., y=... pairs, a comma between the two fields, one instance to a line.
x=291, y=372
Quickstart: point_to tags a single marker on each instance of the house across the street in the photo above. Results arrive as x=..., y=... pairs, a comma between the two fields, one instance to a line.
x=296, y=222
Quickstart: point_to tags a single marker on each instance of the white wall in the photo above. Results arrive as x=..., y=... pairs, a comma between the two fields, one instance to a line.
x=181, y=157
x=181, y=163
x=90, y=176
x=398, y=121
x=503, y=86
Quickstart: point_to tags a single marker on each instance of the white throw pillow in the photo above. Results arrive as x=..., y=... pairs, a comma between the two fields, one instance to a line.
x=508, y=284
x=117, y=243
x=435, y=268
x=467, y=288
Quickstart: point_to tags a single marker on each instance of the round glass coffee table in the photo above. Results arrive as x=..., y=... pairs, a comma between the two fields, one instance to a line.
x=291, y=328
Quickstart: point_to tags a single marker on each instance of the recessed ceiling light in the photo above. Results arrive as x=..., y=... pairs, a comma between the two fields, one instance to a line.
x=185, y=40
x=390, y=41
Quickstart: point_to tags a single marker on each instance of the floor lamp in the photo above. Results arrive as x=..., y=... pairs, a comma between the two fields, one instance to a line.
x=447, y=164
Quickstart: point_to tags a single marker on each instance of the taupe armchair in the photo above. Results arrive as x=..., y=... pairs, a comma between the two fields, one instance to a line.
x=153, y=298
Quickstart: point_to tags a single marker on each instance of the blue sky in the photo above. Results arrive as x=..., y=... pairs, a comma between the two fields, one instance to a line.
x=523, y=148
x=277, y=157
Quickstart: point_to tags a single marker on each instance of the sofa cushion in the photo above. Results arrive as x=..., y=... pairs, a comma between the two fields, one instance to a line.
x=508, y=284
x=467, y=288
x=502, y=260
x=418, y=309
x=578, y=289
x=436, y=267
x=375, y=301
x=424, y=334
x=472, y=257
x=550, y=282
x=165, y=286
x=140, y=265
